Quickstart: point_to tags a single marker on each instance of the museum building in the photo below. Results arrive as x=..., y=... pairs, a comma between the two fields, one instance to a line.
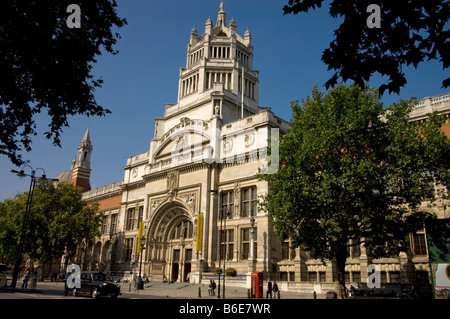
x=187, y=207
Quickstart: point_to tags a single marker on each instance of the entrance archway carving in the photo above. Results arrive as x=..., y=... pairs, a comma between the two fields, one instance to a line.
x=170, y=241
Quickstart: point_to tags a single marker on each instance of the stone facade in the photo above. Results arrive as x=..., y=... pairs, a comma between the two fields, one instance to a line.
x=195, y=189
x=202, y=161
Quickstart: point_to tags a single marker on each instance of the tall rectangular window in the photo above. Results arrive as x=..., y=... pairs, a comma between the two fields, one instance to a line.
x=248, y=202
x=383, y=277
x=312, y=276
x=395, y=277
x=113, y=223
x=246, y=243
x=128, y=249
x=176, y=255
x=105, y=221
x=347, y=276
x=188, y=255
x=419, y=244
x=227, y=204
x=131, y=218
x=353, y=248
x=227, y=244
x=322, y=276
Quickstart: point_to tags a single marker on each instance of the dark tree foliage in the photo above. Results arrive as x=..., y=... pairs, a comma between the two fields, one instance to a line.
x=46, y=66
x=411, y=32
x=58, y=220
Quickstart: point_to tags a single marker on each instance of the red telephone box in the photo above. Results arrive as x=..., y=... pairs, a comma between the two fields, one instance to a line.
x=256, y=280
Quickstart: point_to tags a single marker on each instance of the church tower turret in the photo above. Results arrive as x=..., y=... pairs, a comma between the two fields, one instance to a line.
x=81, y=166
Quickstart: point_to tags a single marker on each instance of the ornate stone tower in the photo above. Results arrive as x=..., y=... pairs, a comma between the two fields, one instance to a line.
x=81, y=166
x=220, y=62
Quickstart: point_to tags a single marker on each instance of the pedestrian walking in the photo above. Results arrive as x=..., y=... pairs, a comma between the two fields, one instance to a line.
x=66, y=286
x=352, y=291
x=138, y=281
x=25, y=279
x=269, y=289
x=275, y=289
x=210, y=287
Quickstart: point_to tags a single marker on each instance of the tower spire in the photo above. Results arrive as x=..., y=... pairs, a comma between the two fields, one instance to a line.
x=86, y=137
x=81, y=169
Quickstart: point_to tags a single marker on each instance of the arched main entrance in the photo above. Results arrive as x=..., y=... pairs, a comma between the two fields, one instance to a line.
x=170, y=242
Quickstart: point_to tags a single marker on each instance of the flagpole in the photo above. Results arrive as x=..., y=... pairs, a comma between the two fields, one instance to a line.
x=242, y=94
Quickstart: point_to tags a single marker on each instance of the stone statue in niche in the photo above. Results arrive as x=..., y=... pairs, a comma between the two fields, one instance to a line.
x=237, y=198
x=183, y=231
x=172, y=182
x=195, y=227
x=217, y=107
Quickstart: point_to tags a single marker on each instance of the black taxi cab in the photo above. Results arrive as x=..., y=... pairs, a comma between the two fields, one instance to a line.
x=96, y=284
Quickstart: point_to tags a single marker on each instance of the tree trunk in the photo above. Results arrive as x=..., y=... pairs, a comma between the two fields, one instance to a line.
x=340, y=288
x=41, y=269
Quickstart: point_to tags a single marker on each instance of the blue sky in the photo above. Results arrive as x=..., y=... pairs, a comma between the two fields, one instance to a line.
x=143, y=77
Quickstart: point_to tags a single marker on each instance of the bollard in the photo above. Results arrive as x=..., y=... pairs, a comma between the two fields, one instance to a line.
x=33, y=283
x=248, y=293
x=199, y=292
x=314, y=295
x=278, y=294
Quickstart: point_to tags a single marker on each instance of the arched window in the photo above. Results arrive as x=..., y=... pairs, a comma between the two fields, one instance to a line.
x=183, y=229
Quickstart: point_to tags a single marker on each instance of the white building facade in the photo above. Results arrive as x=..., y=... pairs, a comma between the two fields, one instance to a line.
x=195, y=190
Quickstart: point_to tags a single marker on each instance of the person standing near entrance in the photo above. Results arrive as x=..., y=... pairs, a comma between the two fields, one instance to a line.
x=269, y=289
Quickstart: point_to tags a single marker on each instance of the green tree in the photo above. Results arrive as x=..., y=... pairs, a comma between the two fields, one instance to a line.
x=46, y=66
x=77, y=220
x=353, y=172
x=11, y=216
x=59, y=220
x=411, y=32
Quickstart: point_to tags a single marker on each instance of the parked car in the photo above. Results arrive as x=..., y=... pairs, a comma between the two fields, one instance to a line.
x=96, y=284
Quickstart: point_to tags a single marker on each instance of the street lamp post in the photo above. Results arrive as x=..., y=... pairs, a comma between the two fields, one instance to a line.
x=221, y=233
x=140, y=265
x=224, y=213
x=227, y=213
x=252, y=242
x=215, y=194
x=33, y=177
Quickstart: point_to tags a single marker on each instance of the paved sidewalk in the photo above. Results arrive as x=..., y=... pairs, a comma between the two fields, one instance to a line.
x=162, y=290
x=195, y=291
